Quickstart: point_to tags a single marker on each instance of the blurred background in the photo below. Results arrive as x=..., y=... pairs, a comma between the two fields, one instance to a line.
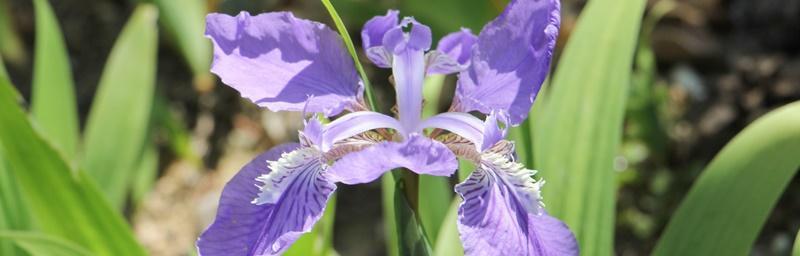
x=718, y=65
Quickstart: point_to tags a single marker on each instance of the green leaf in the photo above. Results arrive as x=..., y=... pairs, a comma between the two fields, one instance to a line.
x=412, y=238
x=145, y=174
x=348, y=42
x=38, y=244
x=10, y=44
x=118, y=124
x=184, y=21
x=579, y=133
x=53, y=103
x=726, y=207
x=13, y=211
x=61, y=202
x=796, y=250
x=449, y=242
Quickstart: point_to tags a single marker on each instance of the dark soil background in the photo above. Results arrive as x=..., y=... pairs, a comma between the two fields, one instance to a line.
x=721, y=64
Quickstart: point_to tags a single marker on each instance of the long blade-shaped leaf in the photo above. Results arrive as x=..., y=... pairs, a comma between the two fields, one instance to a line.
x=118, y=122
x=728, y=204
x=581, y=128
x=53, y=103
x=411, y=235
x=38, y=244
x=796, y=250
x=60, y=203
x=449, y=242
x=13, y=211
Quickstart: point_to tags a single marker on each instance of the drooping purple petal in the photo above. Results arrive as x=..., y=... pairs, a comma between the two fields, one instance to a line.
x=265, y=221
x=510, y=60
x=354, y=123
x=372, y=38
x=279, y=61
x=453, y=53
x=501, y=213
x=417, y=153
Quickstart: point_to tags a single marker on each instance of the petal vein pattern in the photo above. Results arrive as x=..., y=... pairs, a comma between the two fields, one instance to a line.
x=502, y=213
x=279, y=61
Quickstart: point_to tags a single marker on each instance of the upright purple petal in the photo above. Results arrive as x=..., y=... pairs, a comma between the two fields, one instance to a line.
x=495, y=129
x=267, y=220
x=417, y=153
x=418, y=38
x=511, y=60
x=279, y=61
x=372, y=38
x=453, y=54
x=501, y=213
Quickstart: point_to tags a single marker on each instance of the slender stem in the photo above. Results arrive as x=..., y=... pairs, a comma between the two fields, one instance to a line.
x=411, y=191
x=350, y=48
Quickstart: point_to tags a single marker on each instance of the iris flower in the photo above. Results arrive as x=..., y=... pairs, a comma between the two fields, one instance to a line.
x=285, y=63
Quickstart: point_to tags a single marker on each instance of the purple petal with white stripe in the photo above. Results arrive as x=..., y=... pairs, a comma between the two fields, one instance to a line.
x=501, y=213
x=279, y=61
x=453, y=53
x=266, y=220
x=510, y=60
x=417, y=153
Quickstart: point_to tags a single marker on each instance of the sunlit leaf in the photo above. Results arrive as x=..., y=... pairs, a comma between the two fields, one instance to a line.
x=61, y=202
x=119, y=119
x=13, y=211
x=796, y=250
x=145, y=172
x=579, y=133
x=728, y=204
x=38, y=244
x=389, y=225
x=53, y=104
x=449, y=243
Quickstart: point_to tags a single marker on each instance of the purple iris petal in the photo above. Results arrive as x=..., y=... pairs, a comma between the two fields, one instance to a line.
x=372, y=38
x=511, y=60
x=278, y=61
x=417, y=153
x=501, y=213
x=244, y=228
x=492, y=131
x=463, y=124
x=355, y=123
x=453, y=53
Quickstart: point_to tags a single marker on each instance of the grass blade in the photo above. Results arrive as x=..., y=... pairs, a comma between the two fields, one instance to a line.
x=62, y=203
x=796, y=250
x=580, y=132
x=411, y=236
x=43, y=245
x=723, y=212
x=118, y=124
x=53, y=103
